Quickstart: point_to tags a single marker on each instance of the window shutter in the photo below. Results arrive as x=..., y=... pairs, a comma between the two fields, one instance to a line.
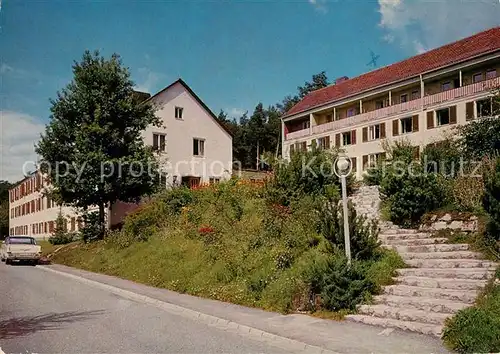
x=337, y=140
x=395, y=127
x=365, y=161
x=365, y=134
x=382, y=131
x=415, y=123
x=430, y=120
x=354, y=164
x=469, y=111
x=353, y=137
x=453, y=115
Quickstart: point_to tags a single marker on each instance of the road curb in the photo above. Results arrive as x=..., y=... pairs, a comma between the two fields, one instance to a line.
x=213, y=321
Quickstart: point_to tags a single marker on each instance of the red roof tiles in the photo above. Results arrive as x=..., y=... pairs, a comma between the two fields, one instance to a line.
x=480, y=43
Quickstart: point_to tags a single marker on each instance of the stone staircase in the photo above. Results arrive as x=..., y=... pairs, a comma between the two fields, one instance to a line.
x=443, y=279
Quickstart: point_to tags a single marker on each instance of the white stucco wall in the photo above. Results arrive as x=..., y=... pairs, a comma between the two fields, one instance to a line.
x=195, y=123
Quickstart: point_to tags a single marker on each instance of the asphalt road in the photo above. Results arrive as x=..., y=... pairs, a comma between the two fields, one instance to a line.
x=42, y=312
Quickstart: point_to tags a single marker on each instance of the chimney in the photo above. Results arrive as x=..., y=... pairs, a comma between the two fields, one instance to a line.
x=341, y=79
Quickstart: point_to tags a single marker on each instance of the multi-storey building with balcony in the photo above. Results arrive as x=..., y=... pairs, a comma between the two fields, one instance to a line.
x=419, y=99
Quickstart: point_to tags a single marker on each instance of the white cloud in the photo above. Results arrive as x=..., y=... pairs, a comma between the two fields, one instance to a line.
x=319, y=5
x=19, y=133
x=422, y=25
x=148, y=81
x=236, y=112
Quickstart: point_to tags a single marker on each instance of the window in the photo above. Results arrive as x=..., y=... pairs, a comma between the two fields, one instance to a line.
x=306, y=124
x=484, y=108
x=303, y=146
x=443, y=116
x=406, y=125
x=178, y=112
x=198, y=147
x=379, y=104
x=346, y=138
x=159, y=142
x=292, y=149
x=445, y=86
x=404, y=98
x=415, y=95
x=324, y=143
x=374, y=159
x=477, y=77
x=491, y=74
x=351, y=112
x=214, y=180
x=374, y=132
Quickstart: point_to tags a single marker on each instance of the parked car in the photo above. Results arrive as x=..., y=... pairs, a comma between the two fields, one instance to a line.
x=20, y=248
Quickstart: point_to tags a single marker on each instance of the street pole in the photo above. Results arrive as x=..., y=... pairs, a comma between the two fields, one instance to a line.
x=347, y=239
x=343, y=169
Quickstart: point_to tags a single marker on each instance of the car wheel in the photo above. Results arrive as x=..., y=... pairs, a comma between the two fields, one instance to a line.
x=34, y=262
x=7, y=261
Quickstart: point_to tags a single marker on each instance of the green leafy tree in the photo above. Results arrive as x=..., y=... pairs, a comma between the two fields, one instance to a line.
x=4, y=208
x=92, y=148
x=482, y=137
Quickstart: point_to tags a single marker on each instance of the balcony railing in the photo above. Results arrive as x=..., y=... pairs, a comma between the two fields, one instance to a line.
x=406, y=107
x=298, y=134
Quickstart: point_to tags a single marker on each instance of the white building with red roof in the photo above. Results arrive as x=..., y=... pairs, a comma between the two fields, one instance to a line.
x=420, y=99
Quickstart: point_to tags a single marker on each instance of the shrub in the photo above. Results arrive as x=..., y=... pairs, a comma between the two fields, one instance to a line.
x=308, y=172
x=61, y=235
x=442, y=157
x=491, y=199
x=476, y=329
x=467, y=193
x=177, y=198
x=363, y=233
x=340, y=286
x=481, y=138
x=91, y=230
x=408, y=190
x=145, y=221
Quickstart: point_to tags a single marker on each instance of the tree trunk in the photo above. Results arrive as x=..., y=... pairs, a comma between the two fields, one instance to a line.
x=102, y=226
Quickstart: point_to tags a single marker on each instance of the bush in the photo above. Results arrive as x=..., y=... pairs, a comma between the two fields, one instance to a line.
x=363, y=233
x=409, y=195
x=442, y=157
x=146, y=220
x=491, y=199
x=467, y=193
x=91, y=230
x=476, y=329
x=177, y=198
x=481, y=138
x=307, y=173
x=340, y=286
x=61, y=235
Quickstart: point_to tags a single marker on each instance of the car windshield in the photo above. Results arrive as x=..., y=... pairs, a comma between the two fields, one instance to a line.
x=22, y=241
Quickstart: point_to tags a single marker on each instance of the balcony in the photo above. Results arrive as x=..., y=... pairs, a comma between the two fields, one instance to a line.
x=406, y=107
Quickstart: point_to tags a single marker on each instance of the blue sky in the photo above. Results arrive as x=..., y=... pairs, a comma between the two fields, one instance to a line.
x=233, y=54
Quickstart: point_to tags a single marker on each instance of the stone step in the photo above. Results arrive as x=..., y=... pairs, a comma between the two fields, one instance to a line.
x=442, y=283
x=416, y=241
x=433, y=248
x=424, y=328
x=467, y=296
x=441, y=255
x=428, y=304
x=399, y=231
x=453, y=273
x=449, y=263
x=397, y=237
x=403, y=314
